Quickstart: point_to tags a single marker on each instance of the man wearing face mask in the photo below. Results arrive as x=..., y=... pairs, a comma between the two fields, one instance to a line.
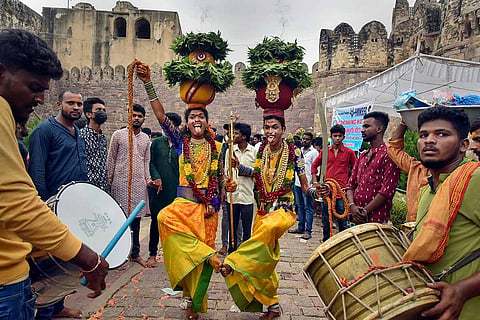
x=95, y=142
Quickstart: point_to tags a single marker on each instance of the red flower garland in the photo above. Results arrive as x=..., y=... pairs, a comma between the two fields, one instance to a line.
x=212, y=182
x=267, y=197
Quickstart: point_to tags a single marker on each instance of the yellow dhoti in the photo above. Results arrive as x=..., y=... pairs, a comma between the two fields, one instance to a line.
x=188, y=240
x=254, y=281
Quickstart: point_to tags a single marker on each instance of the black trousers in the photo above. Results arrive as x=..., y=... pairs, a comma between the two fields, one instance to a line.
x=154, y=235
x=244, y=213
x=135, y=227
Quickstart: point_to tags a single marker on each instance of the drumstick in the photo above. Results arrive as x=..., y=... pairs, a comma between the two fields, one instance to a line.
x=119, y=234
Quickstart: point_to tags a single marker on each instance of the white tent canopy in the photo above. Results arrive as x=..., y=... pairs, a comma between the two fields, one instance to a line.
x=423, y=73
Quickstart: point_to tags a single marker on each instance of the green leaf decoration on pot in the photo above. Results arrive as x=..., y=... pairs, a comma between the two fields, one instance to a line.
x=274, y=57
x=200, y=55
x=211, y=42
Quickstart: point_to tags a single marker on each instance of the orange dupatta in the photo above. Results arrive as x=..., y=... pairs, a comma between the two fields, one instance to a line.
x=431, y=241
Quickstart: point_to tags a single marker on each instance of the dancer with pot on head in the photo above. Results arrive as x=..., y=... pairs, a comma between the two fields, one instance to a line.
x=188, y=225
x=250, y=270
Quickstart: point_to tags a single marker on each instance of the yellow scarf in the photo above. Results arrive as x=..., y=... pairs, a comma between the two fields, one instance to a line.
x=431, y=241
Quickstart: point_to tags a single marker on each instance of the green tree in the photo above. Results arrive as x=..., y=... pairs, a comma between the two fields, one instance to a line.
x=410, y=139
x=32, y=124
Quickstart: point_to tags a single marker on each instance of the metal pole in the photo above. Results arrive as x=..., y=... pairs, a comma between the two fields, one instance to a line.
x=417, y=56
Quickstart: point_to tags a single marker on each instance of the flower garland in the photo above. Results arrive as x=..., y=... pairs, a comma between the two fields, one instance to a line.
x=284, y=188
x=213, y=170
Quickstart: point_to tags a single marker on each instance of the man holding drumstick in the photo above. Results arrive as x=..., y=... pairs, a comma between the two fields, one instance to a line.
x=26, y=66
x=58, y=157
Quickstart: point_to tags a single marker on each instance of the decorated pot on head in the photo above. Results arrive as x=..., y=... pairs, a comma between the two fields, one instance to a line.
x=199, y=71
x=277, y=74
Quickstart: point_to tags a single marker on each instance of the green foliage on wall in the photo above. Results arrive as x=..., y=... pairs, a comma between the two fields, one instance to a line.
x=32, y=124
x=411, y=138
x=398, y=215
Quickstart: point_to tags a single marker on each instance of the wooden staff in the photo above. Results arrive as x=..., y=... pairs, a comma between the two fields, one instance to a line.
x=320, y=106
x=230, y=173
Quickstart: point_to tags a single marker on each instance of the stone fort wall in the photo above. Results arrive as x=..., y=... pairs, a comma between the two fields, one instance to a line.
x=14, y=14
x=447, y=28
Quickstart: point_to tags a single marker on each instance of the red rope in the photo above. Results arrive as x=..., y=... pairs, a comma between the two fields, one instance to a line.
x=378, y=267
x=332, y=201
x=131, y=70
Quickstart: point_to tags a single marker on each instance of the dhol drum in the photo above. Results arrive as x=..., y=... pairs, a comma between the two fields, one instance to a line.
x=359, y=274
x=94, y=217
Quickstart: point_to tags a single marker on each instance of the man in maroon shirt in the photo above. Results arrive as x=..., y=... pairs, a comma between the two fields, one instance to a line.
x=340, y=160
x=374, y=177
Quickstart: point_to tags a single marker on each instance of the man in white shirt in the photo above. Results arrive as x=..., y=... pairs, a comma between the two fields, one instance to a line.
x=304, y=202
x=243, y=198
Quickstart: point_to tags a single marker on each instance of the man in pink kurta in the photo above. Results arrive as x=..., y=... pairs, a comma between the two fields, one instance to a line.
x=118, y=161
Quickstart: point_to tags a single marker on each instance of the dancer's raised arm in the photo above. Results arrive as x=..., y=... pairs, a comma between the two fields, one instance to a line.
x=143, y=73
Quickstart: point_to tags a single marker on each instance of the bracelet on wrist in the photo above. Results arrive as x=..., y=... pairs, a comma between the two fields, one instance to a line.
x=312, y=192
x=351, y=204
x=152, y=95
x=96, y=266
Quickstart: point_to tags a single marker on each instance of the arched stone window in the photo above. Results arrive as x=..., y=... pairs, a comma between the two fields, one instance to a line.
x=120, y=27
x=468, y=29
x=142, y=29
x=239, y=67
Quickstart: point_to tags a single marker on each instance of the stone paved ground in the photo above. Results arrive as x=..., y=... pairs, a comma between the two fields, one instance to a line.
x=136, y=293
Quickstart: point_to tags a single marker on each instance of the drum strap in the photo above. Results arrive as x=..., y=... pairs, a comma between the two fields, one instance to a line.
x=457, y=265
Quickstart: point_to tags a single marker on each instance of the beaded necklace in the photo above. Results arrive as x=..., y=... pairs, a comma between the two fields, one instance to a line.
x=285, y=175
x=211, y=170
x=270, y=174
x=197, y=163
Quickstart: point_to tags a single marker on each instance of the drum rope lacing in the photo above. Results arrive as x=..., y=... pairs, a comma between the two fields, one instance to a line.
x=331, y=202
x=131, y=70
x=380, y=267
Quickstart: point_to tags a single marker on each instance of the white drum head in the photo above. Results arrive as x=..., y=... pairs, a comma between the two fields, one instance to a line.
x=94, y=217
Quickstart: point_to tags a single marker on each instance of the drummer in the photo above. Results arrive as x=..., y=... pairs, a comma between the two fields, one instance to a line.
x=448, y=220
x=26, y=66
x=58, y=157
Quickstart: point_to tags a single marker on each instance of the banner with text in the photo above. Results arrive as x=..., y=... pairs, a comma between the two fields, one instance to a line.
x=352, y=119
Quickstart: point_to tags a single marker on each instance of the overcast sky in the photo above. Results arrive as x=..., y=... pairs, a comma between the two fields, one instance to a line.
x=244, y=23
